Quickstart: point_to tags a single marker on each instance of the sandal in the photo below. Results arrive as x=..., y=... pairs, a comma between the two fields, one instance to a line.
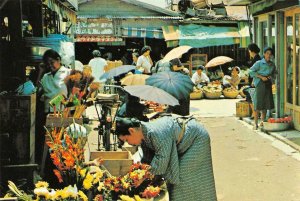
x=261, y=124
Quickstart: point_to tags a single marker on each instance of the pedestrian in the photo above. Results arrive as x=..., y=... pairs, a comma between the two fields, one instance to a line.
x=98, y=64
x=199, y=78
x=182, y=154
x=184, y=103
x=250, y=90
x=263, y=73
x=144, y=62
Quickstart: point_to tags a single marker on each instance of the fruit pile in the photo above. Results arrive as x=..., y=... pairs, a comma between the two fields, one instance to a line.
x=280, y=120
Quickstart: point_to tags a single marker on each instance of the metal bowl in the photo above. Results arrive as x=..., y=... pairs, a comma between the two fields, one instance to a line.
x=276, y=126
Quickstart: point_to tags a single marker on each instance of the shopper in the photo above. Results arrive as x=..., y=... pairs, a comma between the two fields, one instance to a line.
x=98, y=65
x=144, y=62
x=182, y=154
x=263, y=73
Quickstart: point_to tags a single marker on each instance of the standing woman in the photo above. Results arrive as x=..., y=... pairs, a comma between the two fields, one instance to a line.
x=263, y=73
x=182, y=154
x=249, y=91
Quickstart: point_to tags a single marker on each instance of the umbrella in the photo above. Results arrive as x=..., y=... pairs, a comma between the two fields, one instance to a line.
x=176, y=84
x=117, y=71
x=135, y=79
x=151, y=93
x=176, y=53
x=218, y=61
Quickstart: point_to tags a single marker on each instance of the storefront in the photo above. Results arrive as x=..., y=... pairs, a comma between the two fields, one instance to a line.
x=280, y=29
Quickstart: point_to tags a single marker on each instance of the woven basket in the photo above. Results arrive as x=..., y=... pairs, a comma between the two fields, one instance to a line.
x=196, y=95
x=212, y=95
x=230, y=94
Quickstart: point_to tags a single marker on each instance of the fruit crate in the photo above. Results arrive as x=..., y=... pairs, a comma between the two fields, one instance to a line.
x=242, y=109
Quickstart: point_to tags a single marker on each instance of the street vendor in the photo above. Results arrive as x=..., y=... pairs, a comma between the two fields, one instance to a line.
x=53, y=81
x=182, y=154
x=199, y=78
x=233, y=80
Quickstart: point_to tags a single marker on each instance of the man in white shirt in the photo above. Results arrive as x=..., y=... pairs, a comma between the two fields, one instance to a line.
x=200, y=77
x=144, y=62
x=98, y=64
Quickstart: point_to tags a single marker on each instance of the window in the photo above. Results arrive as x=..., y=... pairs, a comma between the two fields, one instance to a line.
x=289, y=59
x=264, y=28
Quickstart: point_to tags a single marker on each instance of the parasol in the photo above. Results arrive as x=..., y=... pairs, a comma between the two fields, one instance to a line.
x=151, y=93
x=217, y=61
x=176, y=84
x=176, y=53
x=117, y=71
x=135, y=79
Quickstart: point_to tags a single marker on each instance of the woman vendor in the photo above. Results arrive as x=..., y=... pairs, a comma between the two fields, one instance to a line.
x=182, y=154
x=263, y=73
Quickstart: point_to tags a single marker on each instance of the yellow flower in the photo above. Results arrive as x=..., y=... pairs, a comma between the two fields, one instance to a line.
x=82, y=196
x=71, y=192
x=60, y=194
x=82, y=172
x=97, y=177
x=42, y=184
x=88, y=181
x=101, y=186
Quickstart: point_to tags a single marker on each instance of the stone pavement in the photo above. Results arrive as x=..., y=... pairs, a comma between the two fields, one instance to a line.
x=250, y=165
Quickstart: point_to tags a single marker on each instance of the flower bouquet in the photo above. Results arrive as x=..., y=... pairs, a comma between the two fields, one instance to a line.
x=137, y=184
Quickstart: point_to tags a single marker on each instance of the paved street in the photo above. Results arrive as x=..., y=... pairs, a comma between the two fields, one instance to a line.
x=248, y=165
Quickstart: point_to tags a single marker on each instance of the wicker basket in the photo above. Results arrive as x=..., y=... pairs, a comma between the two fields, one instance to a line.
x=230, y=94
x=212, y=95
x=196, y=95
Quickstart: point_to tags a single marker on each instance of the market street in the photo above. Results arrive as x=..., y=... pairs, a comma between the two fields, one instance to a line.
x=248, y=165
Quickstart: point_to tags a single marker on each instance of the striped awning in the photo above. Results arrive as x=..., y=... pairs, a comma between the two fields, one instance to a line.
x=142, y=32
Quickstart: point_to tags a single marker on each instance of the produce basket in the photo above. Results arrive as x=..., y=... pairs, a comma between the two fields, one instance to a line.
x=230, y=94
x=276, y=126
x=213, y=95
x=196, y=95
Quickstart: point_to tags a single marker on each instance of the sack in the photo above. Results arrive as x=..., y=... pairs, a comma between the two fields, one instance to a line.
x=26, y=88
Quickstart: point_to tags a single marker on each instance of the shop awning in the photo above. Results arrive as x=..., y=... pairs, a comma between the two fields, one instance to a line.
x=205, y=36
x=171, y=35
x=142, y=32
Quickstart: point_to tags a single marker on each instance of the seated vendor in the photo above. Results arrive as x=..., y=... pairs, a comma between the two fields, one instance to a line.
x=233, y=80
x=199, y=78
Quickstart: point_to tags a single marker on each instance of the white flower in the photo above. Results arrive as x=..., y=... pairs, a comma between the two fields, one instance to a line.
x=41, y=191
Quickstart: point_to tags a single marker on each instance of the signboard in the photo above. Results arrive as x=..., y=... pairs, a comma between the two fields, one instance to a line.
x=97, y=38
x=94, y=26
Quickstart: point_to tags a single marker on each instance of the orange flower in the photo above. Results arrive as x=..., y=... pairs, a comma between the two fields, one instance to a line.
x=55, y=159
x=58, y=175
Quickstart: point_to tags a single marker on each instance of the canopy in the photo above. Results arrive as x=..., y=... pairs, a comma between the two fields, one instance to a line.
x=204, y=36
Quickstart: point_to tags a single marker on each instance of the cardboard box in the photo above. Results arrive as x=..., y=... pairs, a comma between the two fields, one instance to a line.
x=116, y=162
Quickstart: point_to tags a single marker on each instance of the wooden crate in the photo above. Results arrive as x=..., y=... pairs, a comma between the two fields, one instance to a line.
x=17, y=130
x=116, y=162
x=54, y=121
x=243, y=109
